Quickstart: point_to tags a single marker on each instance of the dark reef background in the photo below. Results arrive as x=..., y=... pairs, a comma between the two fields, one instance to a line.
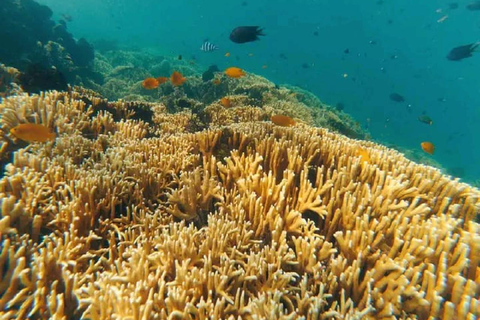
x=44, y=51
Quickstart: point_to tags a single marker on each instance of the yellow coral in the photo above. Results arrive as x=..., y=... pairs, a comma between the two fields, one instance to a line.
x=130, y=217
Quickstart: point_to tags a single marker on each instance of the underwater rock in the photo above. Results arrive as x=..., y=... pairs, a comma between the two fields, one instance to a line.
x=83, y=54
x=40, y=78
x=27, y=36
x=115, y=89
x=164, y=68
x=101, y=64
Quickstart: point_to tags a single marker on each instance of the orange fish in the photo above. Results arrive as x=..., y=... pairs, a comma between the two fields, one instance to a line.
x=227, y=54
x=264, y=66
x=32, y=132
x=363, y=154
x=283, y=121
x=226, y=102
x=177, y=78
x=216, y=82
x=234, y=72
x=428, y=147
x=150, y=83
x=162, y=80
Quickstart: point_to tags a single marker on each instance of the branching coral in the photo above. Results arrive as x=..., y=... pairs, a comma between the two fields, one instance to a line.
x=132, y=214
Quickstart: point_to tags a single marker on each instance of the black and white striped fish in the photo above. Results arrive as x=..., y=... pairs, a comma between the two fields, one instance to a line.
x=208, y=46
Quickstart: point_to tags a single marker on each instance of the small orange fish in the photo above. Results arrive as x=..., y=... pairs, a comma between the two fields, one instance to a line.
x=177, y=78
x=150, y=83
x=264, y=66
x=363, y=154
x=32, y=132
x=428, y=147
x=283, y=121
x=226, y=102
x=162, y=80
x=227, y=54
x=216, y=81
x=234, y=72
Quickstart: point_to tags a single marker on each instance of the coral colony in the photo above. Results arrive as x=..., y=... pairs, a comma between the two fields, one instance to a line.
x=135, y=186
x=133, y=212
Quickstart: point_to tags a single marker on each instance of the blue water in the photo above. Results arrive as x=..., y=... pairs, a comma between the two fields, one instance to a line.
x=393, y=47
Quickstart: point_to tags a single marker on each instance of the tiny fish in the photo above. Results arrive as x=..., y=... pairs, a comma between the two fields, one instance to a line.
x=162, y=80
x=396, y=97
x=208, y=47
x=425, y=119
x=283, y=121
x=177, y=78
x=234, y=72
x=453, y=6
x=445, y=17
x=226, y=102
x=428, y=147
x=150, y=83
x=363, y=154
x=31, y=132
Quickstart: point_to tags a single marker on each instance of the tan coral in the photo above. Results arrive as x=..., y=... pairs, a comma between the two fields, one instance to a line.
x=132, y=213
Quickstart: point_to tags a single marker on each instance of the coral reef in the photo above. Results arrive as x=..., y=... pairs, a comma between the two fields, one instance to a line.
x=134, y=213
x=125, y=70
x=29, y=37
x=8, y=81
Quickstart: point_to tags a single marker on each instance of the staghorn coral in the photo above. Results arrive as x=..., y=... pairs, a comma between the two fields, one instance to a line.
x=127, y=215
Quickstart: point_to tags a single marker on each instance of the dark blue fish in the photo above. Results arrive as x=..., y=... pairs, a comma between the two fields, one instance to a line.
x=425, y=119
x=462, y=52
x=210, y=73
x=453, y=6
x=474, y=6
x=246, y=34
x=208, y=47
x=397, y=97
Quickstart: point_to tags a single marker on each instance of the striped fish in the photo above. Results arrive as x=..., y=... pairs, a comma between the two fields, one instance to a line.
x=208, y=46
